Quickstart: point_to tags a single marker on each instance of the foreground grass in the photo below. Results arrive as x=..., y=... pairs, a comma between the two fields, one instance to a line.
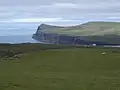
x=62, y=69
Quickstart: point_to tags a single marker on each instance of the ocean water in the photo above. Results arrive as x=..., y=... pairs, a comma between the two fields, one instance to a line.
x=17, y=39
x=17, y=32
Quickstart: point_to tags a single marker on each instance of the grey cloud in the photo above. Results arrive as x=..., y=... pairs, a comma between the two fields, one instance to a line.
x=67, y=9
x=41, y=2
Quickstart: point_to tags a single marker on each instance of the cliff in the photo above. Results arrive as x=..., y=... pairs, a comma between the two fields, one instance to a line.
x=100, y=33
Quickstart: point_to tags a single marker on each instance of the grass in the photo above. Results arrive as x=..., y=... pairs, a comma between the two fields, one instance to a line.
x=60, y=69
x=90, y=28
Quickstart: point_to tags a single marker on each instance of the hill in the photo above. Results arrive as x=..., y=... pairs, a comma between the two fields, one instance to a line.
x=86, y=29
x=100, y=33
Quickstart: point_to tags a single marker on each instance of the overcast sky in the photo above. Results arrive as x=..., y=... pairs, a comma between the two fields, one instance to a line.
x=58, y=11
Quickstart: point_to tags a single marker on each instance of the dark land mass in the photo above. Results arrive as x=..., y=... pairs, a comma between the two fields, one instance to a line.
x=99, y=33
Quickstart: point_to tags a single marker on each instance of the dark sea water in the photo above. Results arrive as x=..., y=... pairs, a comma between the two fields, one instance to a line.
x=17, y=39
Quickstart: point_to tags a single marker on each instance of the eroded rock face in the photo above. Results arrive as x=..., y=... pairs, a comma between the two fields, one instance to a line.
x=54, y=38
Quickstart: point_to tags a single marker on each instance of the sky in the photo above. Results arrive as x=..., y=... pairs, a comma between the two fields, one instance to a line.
x=20, y=16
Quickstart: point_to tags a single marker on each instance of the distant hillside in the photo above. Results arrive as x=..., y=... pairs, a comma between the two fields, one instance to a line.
x=101, y=33
x=90, y=28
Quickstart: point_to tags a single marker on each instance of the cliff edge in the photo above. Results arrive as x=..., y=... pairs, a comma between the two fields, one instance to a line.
x=88, y=33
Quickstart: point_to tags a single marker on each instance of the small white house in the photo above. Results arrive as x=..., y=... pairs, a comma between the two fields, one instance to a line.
x=94, y=45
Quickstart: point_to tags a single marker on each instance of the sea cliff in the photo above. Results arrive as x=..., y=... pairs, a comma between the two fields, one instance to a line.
x=56, y=38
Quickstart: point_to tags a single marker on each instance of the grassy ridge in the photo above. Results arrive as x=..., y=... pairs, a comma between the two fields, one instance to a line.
x=60, y=69
x=95, y=32
x=90, y=28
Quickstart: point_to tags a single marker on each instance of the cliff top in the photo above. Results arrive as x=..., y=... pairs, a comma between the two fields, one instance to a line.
x=90, y=28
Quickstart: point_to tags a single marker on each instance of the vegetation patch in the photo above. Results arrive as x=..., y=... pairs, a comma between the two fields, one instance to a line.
x=46, y=67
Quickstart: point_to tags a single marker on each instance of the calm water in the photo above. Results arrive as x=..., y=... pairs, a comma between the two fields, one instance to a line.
x=17, y=39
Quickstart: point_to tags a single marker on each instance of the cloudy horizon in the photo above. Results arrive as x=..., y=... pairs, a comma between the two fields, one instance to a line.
x=57, y=12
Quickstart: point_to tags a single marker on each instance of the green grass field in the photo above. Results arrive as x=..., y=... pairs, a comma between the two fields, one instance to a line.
x=60, y=69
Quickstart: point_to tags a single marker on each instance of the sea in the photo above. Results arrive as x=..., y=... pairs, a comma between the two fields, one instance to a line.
x=17, y=32
x=15, y=39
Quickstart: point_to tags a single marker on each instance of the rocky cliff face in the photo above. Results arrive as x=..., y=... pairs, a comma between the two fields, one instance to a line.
x=47, y=37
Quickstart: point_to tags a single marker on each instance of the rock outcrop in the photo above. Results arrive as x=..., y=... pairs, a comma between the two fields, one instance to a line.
x=45, y=34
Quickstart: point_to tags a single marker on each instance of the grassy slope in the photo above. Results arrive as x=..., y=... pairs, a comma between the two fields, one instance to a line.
x=91, y=28
x=108, y=32
x=62, y=69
